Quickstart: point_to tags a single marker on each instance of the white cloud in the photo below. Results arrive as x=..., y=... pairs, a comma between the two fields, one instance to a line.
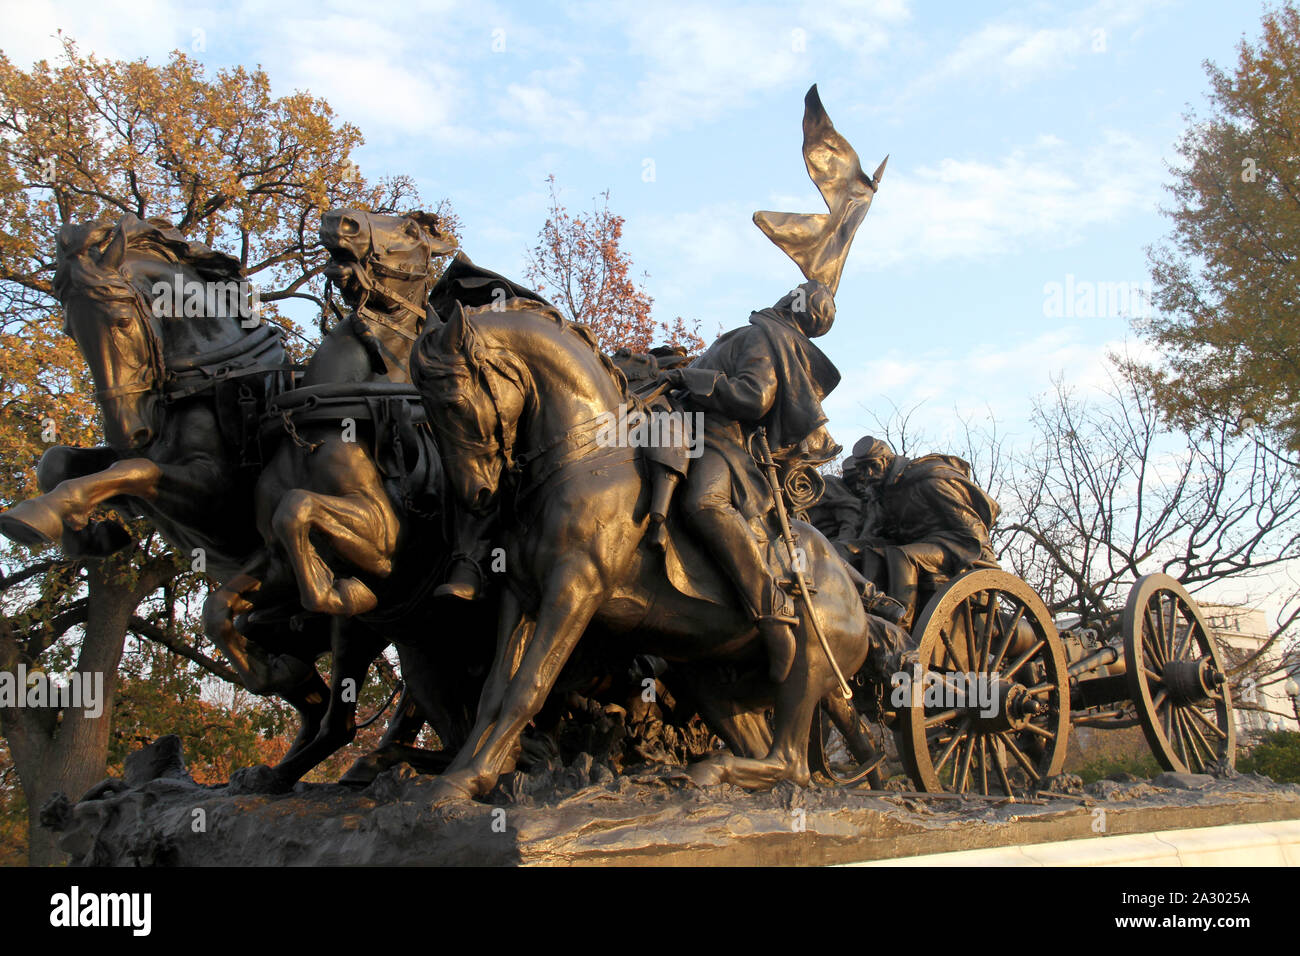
x=1045, y=195
x=997, y=379
x=692, y=64
x=108, y=31
x=1014, y=52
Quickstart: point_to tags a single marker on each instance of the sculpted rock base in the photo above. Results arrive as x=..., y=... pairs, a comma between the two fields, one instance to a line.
x=582, y=814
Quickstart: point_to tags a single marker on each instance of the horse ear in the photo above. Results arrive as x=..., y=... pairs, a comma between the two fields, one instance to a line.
x=113, y=256
x=455, y=331
x=440, y=244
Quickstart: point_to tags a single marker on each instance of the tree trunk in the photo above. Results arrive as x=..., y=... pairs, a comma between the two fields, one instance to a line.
x=68, y=751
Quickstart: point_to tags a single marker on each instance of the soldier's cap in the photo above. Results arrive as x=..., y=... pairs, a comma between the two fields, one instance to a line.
x=867, y=449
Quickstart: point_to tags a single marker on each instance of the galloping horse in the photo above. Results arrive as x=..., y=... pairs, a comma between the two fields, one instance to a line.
x=348, y=505
x=515, y=393
x=181, y=376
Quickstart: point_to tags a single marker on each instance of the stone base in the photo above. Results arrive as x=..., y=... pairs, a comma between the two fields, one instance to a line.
x=655, y=817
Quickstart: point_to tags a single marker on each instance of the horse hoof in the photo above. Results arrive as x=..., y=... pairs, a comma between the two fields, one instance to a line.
x=31, y=524
x=354, y=597
x=363, y=771
x=260, y=779
x=707, y=773
x=448, y=793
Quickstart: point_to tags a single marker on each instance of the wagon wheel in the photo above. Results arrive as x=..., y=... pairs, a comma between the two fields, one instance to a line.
x=1176, y=679
x=1008, y=729
x=866, y=761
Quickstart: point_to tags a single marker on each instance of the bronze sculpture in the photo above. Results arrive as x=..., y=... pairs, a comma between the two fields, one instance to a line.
x=440, y=422
x=515, y=396
x=922, y=516
x=181, y=396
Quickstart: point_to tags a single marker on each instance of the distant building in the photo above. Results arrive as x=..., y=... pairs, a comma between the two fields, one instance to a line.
x=1263, y=703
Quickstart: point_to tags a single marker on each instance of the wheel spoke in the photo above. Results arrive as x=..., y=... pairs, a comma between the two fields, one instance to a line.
x=947, y=643
x=984, y=765
x=1197, y=737
x=1041, y=731
x=969, y=617
x=1002, y=772
x=1019, y=755
x=1040, y=689
x=941, y=717
x=1185, y=645
x=957, y=736
x=1151, y=643
x=1177, y=726
x=1214, y=728
x=1024, y=659
x=1166, y=639
x=965, y=764
x=1154, y=677
x=1007, y=639
x=986, y=645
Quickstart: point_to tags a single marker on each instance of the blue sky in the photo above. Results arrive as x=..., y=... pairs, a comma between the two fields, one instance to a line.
x=1028, y=142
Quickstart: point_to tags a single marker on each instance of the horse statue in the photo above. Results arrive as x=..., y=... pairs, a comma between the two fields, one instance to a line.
x=182, y=372
x=349, y=505
x=515, y=394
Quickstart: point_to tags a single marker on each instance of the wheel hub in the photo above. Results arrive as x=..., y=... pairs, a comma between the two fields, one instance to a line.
x=1015, y=708
x=1190, y=681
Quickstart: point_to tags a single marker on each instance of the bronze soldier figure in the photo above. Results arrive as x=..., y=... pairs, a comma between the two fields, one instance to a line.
x=922, y=515
x=767, y=373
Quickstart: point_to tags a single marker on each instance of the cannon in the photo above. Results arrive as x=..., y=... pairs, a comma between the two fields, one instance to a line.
x=984, y=702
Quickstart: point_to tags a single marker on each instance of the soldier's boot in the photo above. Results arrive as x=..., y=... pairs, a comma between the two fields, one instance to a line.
x=733, y=545
x=471, y=536
x=776, y=627
x=903, y=581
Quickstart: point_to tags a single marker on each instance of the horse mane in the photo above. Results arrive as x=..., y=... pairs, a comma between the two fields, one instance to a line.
x=581, y=330
x=80, y=246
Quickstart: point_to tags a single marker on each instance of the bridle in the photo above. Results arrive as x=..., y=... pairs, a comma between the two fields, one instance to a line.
x=579, y=438
x=156, y=381
x=370, y=264
x=189, y=375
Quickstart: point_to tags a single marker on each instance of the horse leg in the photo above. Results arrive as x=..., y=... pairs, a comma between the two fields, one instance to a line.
x=742, y=727
x=787, y=758
x=394, y=747
x=98, y=539
x=361, y=529
x=514, y=631
x=294, y=680
x=567, y=607
x=353, y=654
x=42, y=520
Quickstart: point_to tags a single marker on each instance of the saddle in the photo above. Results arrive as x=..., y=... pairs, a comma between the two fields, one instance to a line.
x=393, y=421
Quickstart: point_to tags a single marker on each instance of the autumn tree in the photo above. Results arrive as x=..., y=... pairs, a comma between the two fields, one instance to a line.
x=85, y=139
x=579, y=264
x=1227, y=279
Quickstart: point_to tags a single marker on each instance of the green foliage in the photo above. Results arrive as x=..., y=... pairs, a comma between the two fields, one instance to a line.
x=1276, y=756
x=13, y=813
x=1226, y=280
x=1100, y=767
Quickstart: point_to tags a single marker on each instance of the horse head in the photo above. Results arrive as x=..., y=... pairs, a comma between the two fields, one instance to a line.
x=382, y=259
x=128, y=296
x=474, y=398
